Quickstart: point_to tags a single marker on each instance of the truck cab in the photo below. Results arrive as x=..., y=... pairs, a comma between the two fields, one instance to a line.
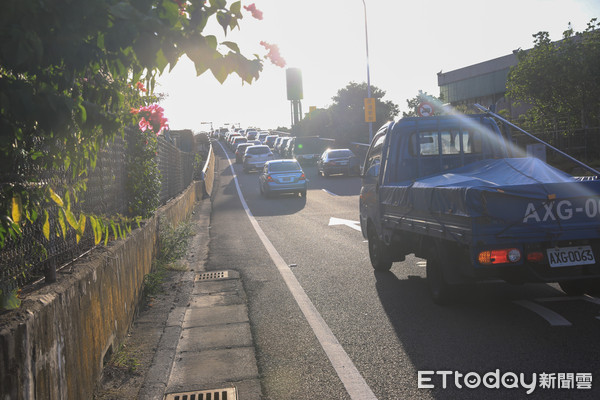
x=414, y=147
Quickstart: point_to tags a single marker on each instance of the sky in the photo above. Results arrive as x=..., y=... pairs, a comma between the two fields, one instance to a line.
x=409, y=43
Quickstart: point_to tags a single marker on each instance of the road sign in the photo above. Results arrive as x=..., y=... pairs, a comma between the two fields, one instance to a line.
x=370, y=109
x=425, y=109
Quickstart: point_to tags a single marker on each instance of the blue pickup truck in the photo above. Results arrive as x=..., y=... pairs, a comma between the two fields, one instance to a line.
x=453, y=190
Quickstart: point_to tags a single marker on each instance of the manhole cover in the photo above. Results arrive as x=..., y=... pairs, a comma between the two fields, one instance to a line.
x=212, y=275
x=218, y=394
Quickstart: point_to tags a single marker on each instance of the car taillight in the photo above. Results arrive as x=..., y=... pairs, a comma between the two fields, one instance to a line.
x=499, y=256
x=302, y=177
x=269, y=178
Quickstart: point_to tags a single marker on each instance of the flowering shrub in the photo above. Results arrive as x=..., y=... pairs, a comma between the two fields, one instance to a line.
x=143, y=175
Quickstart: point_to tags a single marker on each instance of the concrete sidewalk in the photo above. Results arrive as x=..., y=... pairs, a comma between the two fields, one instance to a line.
x=206, y=347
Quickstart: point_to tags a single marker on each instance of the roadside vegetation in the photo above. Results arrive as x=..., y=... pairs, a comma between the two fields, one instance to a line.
x=173, y=242
x=75, y=76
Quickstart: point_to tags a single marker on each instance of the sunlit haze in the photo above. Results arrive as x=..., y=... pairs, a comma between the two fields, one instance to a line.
x=409, y=43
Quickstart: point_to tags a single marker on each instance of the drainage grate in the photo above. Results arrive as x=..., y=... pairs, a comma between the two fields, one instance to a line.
x=213, y=275
x=219, y=394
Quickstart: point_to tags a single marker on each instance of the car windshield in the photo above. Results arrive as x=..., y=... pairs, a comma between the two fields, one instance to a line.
x=340, y=153
x=257, y=150
x=284, y=167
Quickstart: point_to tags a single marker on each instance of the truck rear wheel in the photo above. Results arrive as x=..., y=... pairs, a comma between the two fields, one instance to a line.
x=379, y=252
x=441, y=291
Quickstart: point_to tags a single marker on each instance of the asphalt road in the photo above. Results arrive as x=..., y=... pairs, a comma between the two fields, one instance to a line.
x=386, y=323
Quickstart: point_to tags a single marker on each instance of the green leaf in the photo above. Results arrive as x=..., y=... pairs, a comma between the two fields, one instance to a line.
x=161, y=61
x=114, y=229
x=71, y=219
x=233, y=46
x=236, y=9
x=211, y=41
x=218, y=3
x=46, y=227
x=224, y=19
x=82, y=114
x=56, y=198
x=17, y=209
x=61, y=222
x=81, y=225
x=96, y=229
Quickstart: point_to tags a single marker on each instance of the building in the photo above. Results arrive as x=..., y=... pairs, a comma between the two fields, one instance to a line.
x=483, y=83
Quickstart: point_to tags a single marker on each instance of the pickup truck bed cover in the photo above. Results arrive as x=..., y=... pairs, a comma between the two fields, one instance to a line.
x=519, y=194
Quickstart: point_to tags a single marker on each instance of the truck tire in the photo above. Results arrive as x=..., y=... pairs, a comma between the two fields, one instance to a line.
x=441, y=291
x=379, y=252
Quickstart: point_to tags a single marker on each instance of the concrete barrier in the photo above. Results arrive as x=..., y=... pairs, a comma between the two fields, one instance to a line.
x=55, y=344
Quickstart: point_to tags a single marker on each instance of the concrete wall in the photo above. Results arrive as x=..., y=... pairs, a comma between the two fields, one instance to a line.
x=54, y=345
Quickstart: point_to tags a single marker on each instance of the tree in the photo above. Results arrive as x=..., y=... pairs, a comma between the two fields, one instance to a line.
x=344, y=120
x=70, y=73
x=423, y=97
x=560, y=80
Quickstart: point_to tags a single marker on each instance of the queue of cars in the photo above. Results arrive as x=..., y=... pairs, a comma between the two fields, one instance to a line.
x=256, y=150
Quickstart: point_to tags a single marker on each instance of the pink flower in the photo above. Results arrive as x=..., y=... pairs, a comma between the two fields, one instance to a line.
x=273, y=54
x=256, y=13
x=152, y=118
x=143, y=124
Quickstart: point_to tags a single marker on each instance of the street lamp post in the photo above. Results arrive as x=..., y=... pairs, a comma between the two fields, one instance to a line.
x=368, y=73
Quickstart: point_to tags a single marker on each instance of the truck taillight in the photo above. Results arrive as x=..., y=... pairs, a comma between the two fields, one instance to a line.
x=302, y=177
x=535, y=256
x=269, y=178
x=499, y=256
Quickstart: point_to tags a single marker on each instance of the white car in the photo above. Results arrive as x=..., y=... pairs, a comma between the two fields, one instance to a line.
x=255, y=157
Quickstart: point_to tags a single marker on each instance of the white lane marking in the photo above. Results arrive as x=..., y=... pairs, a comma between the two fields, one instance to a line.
x=553, y=318
x=353, y=381
x=328, y=192
x=585, y=297
x=591, y=299
x=339, y=221
x=563, y=298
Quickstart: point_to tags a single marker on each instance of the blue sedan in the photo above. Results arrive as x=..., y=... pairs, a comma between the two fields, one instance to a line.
x=282, y=176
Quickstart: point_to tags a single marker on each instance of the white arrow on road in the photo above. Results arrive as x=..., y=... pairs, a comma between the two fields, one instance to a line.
x=347, y=222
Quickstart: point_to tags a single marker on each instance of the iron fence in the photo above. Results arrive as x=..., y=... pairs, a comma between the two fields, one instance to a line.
x=31, y=256
x=582, y=144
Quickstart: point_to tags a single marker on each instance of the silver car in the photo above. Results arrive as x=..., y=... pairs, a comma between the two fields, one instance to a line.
x=282, y=176
x=256, y=156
